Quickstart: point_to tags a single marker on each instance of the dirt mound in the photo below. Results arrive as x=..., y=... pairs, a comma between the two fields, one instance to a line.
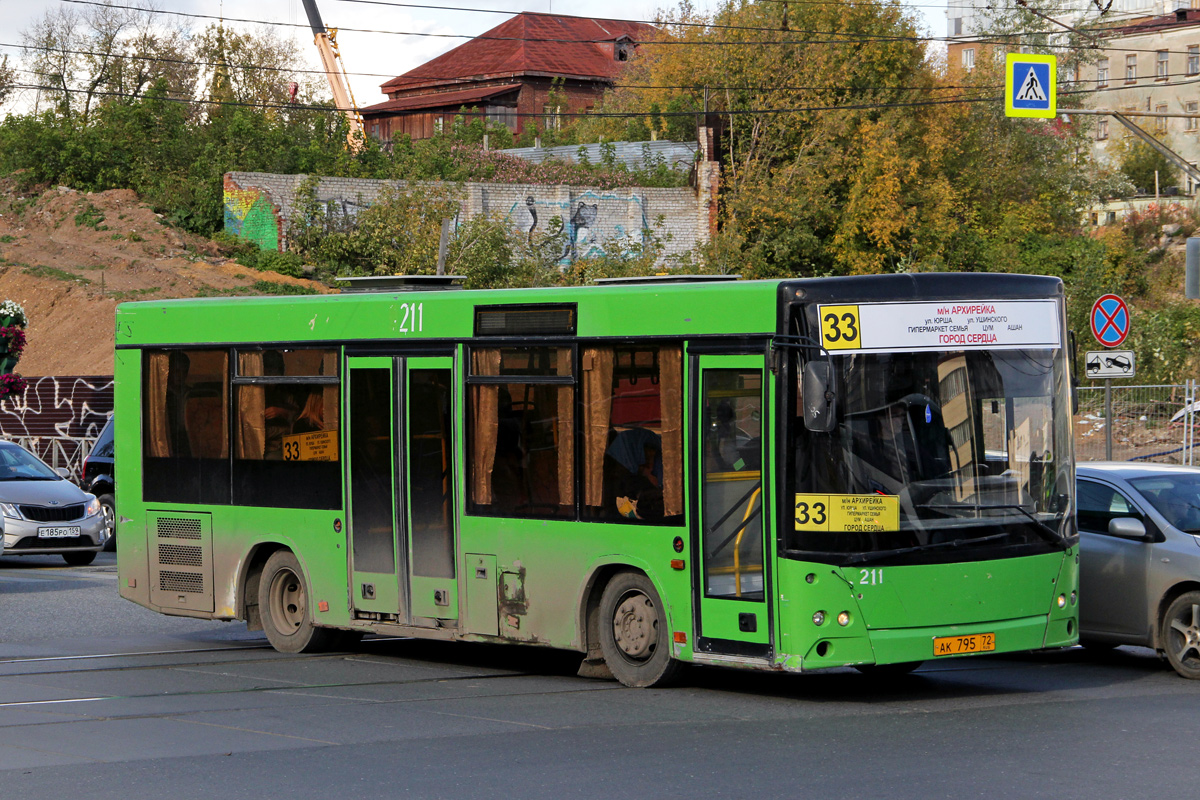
x=70, y=257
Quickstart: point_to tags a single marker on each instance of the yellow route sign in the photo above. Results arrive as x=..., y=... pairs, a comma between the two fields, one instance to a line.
x=315, y=446
x=847, y=512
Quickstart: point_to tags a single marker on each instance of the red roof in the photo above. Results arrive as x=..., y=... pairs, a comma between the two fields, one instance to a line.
x=441, y=99
x=548, y=44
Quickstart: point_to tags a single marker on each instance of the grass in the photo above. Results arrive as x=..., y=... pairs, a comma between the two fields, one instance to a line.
x=54, y=273
x=7, y=239
x=270, y=287
x=90, y=217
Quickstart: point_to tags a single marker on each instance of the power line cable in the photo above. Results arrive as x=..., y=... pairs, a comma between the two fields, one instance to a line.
x=852, y=38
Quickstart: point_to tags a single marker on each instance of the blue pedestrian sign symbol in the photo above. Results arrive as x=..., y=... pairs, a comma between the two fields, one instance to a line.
x=1030, y=85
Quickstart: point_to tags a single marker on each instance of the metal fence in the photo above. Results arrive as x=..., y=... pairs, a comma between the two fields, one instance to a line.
x=59, y=451
x=1148, y=423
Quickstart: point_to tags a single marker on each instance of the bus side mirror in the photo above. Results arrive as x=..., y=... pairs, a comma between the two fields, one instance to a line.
x=820, y=401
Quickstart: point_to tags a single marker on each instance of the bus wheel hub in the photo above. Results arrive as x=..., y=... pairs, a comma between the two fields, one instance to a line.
x=634, y=626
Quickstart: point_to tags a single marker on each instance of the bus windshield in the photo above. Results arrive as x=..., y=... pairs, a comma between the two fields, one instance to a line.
x=968, y=450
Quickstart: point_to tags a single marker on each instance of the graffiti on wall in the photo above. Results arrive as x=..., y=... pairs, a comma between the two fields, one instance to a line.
x=249, y=213
x=590, y=220
x=74, y=406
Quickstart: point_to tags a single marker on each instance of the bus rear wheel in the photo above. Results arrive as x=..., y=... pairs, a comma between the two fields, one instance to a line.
x=633, y=632
x=283, y=603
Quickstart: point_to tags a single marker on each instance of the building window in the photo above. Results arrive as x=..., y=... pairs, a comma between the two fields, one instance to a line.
x=1102, y=128
x=622, y=49
x=1191, y=123
x=552, y=115
x=1102, y=73
x=438, y=124
x=968, y=58
x=956, y=26
x=1160, y=123
x=1193, y=59
x=503, y=115
x=1161, y=65
x=1131, y=68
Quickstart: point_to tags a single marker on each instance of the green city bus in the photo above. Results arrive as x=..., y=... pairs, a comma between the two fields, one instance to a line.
x=791, y=475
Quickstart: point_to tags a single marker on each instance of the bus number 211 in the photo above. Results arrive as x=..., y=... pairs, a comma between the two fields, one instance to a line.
x=870, y=577
x=413, y=320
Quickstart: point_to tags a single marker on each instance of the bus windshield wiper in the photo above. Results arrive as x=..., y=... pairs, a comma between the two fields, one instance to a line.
x=1044, y=530
x=917, y=548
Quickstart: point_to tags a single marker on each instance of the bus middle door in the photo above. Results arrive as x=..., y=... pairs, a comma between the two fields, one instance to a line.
x=731, y=430
x=373, y=482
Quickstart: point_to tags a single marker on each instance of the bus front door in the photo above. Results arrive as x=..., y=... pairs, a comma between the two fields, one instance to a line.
x=729, y=542
x=399, y=464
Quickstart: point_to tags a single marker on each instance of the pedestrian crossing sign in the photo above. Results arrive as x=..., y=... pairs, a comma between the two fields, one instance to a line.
x=1029, y=85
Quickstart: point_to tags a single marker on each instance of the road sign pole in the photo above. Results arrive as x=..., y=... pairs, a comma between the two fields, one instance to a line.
x=1108, y=420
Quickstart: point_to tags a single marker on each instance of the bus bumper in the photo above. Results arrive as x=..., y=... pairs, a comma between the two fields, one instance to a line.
x=1014, y=635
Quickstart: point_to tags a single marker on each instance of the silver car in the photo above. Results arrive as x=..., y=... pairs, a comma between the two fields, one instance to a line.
x=44, y=513
x=1139, y=565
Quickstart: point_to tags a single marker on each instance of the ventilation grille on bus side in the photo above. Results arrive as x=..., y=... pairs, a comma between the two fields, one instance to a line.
x=180, y=555
x=189, y=582
x=174, y=528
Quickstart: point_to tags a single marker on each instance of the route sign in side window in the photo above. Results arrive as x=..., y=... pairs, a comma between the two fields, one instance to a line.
x=1099, y=504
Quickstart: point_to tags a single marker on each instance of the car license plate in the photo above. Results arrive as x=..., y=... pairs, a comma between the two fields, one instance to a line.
x=957, y=645
x=58, y=533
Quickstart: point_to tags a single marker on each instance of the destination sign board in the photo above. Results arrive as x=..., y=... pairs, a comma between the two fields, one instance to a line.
x=954, y=325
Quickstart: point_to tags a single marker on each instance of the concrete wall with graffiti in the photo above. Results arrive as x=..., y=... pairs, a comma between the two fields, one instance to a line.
x=258, y=206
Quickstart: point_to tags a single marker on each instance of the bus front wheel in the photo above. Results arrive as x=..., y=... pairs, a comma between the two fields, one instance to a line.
x=283, y=603
x=634, y=637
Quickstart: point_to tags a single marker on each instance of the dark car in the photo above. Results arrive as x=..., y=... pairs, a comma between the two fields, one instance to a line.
x=99, y=479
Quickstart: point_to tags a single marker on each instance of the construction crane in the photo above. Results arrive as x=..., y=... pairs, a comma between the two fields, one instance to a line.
x=326, y=41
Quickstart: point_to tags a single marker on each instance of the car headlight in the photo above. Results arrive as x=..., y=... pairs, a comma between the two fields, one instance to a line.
x=10, y=511
x=93, y=507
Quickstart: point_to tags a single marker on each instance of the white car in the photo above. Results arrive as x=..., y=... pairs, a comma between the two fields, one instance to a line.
x=44, y=513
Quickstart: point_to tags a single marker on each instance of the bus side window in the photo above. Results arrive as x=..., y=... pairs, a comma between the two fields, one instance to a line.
x=285, y=418
x=632, y=434
x=185, y=399
x=521, y=432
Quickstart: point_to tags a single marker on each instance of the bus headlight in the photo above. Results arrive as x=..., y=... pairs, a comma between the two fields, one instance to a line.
x=1062, y=601
x=10, y=511
x=844, y=618
x=1074, y=598
x=819, y=618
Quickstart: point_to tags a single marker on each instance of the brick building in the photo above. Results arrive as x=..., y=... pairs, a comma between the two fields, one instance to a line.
x=506, y=74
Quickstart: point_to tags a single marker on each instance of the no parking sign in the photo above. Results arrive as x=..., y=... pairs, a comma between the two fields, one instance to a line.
x=1110, y=320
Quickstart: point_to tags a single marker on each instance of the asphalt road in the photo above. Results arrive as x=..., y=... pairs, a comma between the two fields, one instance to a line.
x=103, y=699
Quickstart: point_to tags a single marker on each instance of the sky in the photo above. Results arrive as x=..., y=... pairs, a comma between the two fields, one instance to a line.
x=387, y=55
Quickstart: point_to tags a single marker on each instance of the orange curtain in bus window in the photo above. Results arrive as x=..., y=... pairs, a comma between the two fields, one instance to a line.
x=566, y=433
x=251, y=408
x=156, y=406
x=670, y=362
x=485, y=425
x=597, y=364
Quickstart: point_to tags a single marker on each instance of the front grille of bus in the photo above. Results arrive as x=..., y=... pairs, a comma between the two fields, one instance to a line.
x=45, y=514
